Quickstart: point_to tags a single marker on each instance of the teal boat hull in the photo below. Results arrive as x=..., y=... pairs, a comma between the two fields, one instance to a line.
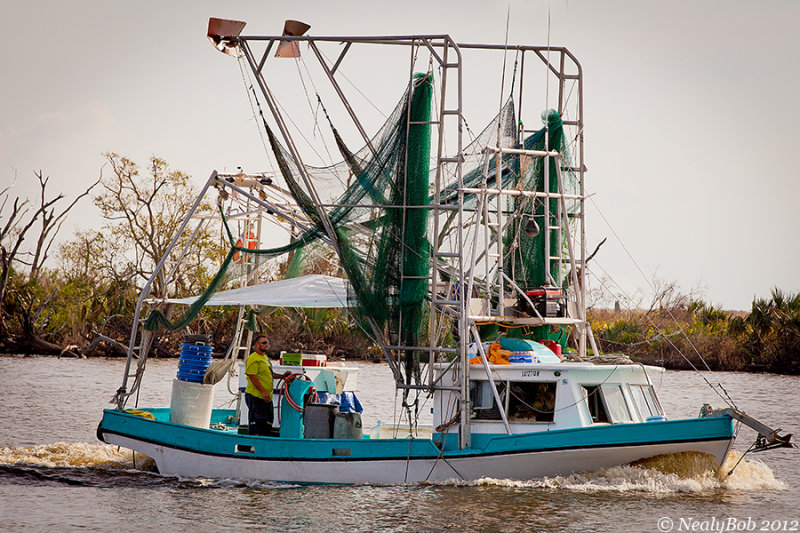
x=224, y=453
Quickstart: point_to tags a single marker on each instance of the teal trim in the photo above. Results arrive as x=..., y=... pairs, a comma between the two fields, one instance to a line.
x=223, y=443
x=597, y=436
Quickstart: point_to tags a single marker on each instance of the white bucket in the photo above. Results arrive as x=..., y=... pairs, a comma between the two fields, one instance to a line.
x=191, y=404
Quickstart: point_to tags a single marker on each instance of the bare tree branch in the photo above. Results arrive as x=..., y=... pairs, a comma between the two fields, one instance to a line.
x=13, y=235
x=51, y=224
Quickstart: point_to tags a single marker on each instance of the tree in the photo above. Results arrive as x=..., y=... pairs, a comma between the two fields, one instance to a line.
x=15, y=223
x=98, y=289
x=104, y=268
x=143, y=211
x=772, y=330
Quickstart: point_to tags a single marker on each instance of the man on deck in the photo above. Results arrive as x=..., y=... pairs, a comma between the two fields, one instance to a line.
x=258, y=394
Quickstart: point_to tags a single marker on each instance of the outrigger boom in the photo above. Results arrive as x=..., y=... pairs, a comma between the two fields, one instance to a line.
x=767, y=439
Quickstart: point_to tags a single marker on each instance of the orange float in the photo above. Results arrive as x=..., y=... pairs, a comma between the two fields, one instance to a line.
x=250, y=240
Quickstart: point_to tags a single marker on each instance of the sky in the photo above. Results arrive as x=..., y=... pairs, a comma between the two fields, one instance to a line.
x=691, y=113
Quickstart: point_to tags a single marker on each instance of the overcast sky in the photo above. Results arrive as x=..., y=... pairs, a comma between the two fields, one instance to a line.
x=691, y=112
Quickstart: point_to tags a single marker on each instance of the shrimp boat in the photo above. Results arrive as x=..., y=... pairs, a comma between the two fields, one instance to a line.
x=463, y=256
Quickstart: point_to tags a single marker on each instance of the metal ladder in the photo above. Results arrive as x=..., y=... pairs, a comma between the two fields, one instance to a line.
x=445, y=306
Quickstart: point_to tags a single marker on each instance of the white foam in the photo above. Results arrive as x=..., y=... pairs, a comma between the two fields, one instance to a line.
x=749, y=474
x=78, y=454
x=673, y=473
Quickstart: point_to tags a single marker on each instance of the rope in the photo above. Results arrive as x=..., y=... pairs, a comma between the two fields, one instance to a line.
x=341, y=72
x=726, y=398
x=514, y=73
x=310, y=106
x=503, y=73
x=441, y=444
x=249, y=85
x=660, y=334
x=748, y=450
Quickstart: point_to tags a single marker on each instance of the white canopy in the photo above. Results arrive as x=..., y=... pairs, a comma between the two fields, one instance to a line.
x=314, y=290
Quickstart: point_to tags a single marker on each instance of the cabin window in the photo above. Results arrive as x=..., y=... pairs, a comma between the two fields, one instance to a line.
x=483, y=404
x=646, y=401
x=531, y=401
x=594, y=401
x=640, y=401
x=652, y=401
x=615, y=403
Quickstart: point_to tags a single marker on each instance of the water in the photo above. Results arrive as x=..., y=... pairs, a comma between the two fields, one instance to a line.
x=55, y=475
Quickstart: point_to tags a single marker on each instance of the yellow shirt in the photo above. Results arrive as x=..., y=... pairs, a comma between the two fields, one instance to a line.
x=261, y=366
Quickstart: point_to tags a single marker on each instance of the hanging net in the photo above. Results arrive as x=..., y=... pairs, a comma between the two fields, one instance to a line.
x=525, y=254
x=373, y=209
x=383, y=247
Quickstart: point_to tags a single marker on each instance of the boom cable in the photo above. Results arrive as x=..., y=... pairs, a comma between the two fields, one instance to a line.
x=725, y=397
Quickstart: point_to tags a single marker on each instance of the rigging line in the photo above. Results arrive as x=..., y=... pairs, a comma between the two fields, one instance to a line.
x=748, y=450
x=289, y=117
x=514, y=73
x=441, y=452
x=248, y=83
x=547, y=77
x=503, y=73
x=300, y=131
x=652, y=323
x=658, y=335
x=354, y=86
x=726, y=393
x=297, y=63
x=440, y=455
x=648, y=282
x=628, y=299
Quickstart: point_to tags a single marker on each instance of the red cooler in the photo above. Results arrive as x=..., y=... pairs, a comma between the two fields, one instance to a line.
x=315, y=359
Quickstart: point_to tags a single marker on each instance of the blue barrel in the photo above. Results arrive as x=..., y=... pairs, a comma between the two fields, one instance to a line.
x=194, y=361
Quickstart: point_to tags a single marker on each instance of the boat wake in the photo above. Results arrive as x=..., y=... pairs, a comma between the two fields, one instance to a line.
x=79, y=464
x=98, y=465
x=79, y=454
x=686, y=472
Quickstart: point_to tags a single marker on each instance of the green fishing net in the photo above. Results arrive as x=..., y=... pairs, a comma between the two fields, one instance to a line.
x=384, y=249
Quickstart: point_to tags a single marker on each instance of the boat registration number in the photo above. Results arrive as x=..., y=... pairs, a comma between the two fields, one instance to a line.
x=530, y=373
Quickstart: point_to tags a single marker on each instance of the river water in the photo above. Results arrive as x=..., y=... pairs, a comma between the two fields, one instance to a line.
x=55, y=475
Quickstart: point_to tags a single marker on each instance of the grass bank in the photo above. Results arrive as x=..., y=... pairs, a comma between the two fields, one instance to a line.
x=767, y=339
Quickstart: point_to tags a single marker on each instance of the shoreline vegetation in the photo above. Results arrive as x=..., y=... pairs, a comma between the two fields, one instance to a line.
x=699, y=335
x=696, y=335
x=84, y=306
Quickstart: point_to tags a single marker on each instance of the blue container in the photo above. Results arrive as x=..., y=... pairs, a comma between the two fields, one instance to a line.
x=521, y=359
x=194, y=361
